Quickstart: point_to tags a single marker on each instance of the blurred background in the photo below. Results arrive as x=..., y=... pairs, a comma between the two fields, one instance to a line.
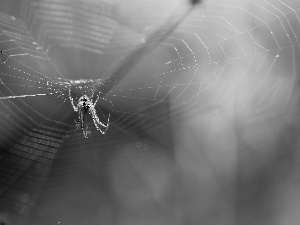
x=204, y=128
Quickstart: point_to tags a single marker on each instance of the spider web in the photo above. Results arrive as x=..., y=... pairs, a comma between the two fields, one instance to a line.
x=203, y=61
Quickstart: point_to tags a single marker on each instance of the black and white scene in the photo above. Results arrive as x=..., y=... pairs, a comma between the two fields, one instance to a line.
x=149, y=112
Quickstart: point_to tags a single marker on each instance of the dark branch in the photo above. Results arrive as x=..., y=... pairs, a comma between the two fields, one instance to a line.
x=151, y=42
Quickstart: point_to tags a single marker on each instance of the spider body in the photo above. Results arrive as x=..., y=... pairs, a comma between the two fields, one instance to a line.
x=84, y=106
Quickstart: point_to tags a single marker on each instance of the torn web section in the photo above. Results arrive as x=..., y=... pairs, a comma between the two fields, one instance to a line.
x=18, y=49
x=24, y=73
x=17, y=78
x=85, y=25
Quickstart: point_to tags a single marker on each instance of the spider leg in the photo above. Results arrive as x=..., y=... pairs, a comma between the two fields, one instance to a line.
x=72, y=101
x=77, y=124
x=85, y=133
x=94, y=104
x=97, y=122
x=82, y=121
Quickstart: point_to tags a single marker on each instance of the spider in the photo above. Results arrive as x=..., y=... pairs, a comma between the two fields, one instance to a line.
x=86, y=106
